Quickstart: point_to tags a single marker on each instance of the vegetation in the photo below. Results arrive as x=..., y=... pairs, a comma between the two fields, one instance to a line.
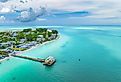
x=13, y=39
x=18, y=49
x=27, y=30
x=54, y=31
x=41, y=29
x=3, y=53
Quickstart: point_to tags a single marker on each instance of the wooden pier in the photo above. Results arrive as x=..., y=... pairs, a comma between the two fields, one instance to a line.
x=29, y=58
x=44, y=61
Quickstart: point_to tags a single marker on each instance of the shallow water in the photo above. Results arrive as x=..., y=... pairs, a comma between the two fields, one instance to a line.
x=83, y=55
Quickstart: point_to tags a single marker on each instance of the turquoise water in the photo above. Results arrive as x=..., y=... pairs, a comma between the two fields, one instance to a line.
x=98, y=51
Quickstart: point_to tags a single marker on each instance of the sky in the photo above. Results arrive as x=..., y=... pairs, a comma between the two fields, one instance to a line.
x=60, y=12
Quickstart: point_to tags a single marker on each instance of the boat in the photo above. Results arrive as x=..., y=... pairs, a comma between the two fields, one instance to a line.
x=49, y=61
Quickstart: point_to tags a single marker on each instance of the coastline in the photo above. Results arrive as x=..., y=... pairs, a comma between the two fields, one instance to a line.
x=33, y=47
x=6, y=58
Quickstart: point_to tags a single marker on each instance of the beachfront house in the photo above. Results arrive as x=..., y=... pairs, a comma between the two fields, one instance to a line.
x=49, y=30
x=27, y=33
x=40, y=36
x=7, y=50
x=31, y=44
x=18, y=46
x=23, y=40
x=5, y=45
x=25, y=47
x=53, y=36
x=12, y=42
x=34, y=42
x=14, y=34
x=39, y=39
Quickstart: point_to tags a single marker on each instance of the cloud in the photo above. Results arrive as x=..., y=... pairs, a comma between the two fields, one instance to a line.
x=27, y=10
x=27, y=16
x=2, y=19
x=99, y=9
x=44, y=10
x=3, y=0
x=73, y=14
x=41, y=19
x=5, y=10
x=31, y=14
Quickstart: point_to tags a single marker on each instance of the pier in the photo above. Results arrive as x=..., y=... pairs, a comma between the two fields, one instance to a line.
x=29, y=58
x=47, y=61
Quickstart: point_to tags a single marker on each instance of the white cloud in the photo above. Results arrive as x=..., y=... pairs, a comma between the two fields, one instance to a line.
x=109, y=8
x=31, y=14
x=99, y=9
x=41, y=19
x=27, y=16
x=2, y=19
x=5, y=10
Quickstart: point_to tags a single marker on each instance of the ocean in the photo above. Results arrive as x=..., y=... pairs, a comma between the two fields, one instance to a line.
x=83, y=54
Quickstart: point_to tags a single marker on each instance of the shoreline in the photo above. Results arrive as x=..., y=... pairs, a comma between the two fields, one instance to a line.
x=33, y=47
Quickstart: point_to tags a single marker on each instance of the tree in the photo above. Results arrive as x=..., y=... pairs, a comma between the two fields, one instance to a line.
x=54, y=31
x=27, y=30
x=3, y=53
x=3, y=47
x=41, y=29
x=49, y=34
x=21, y=35
x=29, y=37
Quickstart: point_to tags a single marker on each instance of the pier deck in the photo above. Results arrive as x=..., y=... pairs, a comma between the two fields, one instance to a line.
x=47, y=61
x=29, y=58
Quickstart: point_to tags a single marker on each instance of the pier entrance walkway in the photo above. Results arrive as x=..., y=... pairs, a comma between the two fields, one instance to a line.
x=47, y=61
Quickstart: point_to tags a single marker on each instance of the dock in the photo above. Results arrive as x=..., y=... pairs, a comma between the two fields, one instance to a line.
x=47, y=61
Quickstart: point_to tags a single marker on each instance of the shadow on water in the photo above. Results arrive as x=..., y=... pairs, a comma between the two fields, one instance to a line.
x=14, y=78
x=49, y=68
x=64, y=45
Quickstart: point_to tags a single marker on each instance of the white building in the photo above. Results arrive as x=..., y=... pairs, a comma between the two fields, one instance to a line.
x=40, y=36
